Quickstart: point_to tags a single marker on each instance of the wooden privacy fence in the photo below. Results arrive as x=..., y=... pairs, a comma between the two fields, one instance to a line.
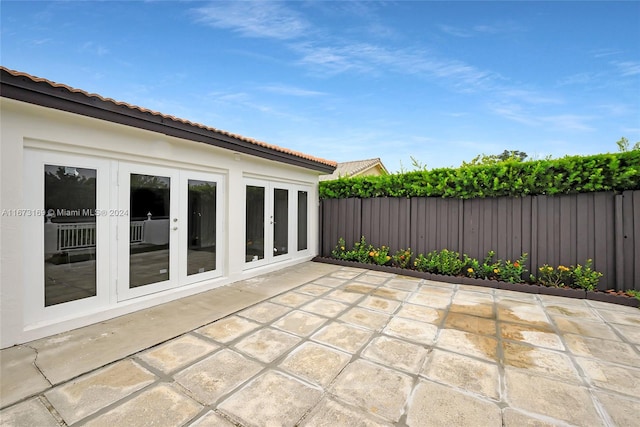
x=555, y=230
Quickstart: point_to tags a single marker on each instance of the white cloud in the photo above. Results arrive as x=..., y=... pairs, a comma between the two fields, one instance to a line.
x=39, y=42
x=530, y=97
x=577, y=79
x=627, y=68
x=455, y=31
x=561, y=122
x=290, y=90
x=481, y=29
x=267, y=19
x=571, y=122
x=601, y=53
x=248, y=104
x=513, y=112
x=372, y=59
x=94, y=48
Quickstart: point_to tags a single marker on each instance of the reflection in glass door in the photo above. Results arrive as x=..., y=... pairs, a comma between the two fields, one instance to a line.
x=149, y=212
x=302, y=220
x=255, y=211
x=69, y=234
x=280, y=221
x=201, y=237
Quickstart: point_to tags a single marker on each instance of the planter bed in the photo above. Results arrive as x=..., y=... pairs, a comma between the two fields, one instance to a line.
x=562, y=292
x=518, y=287
x=613, y=298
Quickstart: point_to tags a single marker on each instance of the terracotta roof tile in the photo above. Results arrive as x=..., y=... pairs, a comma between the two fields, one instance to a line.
x=172, y=118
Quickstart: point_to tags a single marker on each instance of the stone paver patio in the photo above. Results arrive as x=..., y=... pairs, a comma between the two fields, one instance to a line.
x=324, y=345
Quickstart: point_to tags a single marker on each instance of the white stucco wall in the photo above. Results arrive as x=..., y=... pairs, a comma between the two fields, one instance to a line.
x=33, y=127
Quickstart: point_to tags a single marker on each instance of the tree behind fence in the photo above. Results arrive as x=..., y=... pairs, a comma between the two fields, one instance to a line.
x=555, y=230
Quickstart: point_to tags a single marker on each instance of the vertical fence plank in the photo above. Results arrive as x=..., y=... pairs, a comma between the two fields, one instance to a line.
x=542, y=245
x=416, y=232
x=564, y=229
x=516, y=228
x=534, y=260
x=598, y=236
x=470, y=228
x=553, y=232
x=582, y=225
x=501, y=228
x=631, y=258
x=370, y=209
x=635, y=256
x=525, y=227
x=619, y=242
x=603, y=238
x=489, y=224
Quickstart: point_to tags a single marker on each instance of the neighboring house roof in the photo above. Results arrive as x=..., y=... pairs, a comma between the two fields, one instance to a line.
x=27, y=88
x=357, y=168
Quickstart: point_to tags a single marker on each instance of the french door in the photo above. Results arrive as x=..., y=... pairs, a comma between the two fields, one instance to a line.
x=168, y=229
x=275, y=222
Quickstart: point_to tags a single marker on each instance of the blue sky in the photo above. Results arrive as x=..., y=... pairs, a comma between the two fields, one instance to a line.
x=437, y=81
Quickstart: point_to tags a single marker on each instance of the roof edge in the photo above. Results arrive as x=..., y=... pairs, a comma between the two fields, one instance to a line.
x=24, y=87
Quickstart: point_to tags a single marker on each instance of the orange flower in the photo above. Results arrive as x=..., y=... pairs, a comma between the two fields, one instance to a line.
x=516, y=264
x=371, y=253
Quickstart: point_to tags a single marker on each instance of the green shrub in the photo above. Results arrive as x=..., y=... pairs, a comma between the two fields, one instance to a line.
x=471, y=267
x=444, y=262
x=490, y=269
x=421, y=263
x=512, y=271
x=556, y=278
x=571, y=174
x=359, y=252
x=340, y=251
x=586, y=277
x=402, y=258
x=633, y=293
x=380, y=255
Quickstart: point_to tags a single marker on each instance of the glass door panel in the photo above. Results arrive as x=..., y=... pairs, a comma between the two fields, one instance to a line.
x=201, y=234
x=149, y=222
x=302, y=220
x=280, y=221
x=69, y=234
x=255, y=211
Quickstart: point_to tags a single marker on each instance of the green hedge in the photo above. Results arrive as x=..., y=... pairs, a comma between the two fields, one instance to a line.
x=571, y=174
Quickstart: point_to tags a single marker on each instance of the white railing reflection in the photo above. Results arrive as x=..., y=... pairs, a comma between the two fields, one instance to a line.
x=76, y=236
x=81, y=235
x=136, y=231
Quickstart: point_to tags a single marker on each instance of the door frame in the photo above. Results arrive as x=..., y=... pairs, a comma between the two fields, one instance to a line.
x=35, y=310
